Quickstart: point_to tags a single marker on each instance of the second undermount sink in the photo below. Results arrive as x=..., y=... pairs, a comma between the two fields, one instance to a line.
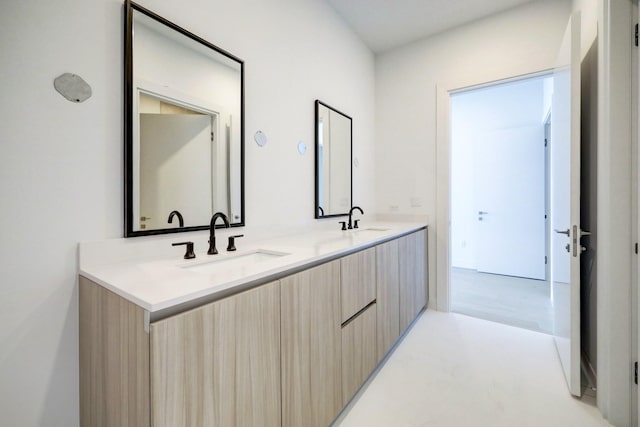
x=246, y=259
x=360, y=230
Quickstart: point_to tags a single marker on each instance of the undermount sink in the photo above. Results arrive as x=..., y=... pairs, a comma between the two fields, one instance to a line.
x=240, y=260
x=359, y=230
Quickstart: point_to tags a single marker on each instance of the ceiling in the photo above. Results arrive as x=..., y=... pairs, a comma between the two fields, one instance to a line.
x=386, y=24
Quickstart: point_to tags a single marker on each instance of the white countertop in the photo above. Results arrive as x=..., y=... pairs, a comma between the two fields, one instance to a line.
x=150, y=273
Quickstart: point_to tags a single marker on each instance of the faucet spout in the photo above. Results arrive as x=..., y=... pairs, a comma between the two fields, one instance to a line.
x=212, y=231
x=180, y=219
x=351, y=215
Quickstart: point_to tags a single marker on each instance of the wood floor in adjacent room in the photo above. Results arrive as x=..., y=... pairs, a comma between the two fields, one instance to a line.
x=454, y=370
x=515, y=301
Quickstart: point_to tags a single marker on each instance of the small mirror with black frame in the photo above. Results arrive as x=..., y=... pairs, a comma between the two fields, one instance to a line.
x=334, y=188
x=184, y=128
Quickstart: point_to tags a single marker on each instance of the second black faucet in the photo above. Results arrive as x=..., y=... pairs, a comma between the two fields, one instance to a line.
x=351, y=224
x=212, y=231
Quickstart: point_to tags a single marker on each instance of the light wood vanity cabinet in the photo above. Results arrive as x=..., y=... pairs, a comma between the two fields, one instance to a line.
x=413, y=276
x=286, y=353
x=219, y=365
x=358, y=281
x=311, y=346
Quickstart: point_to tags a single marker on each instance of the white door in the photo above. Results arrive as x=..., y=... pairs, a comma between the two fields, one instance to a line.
x=565, y=204
x=510, y=202
x=175, y=169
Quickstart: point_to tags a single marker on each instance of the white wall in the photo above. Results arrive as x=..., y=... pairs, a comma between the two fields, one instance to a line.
x=517, y=42
x=61, y=163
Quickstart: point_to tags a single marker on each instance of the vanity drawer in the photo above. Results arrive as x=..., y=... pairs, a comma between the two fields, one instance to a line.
x=357, y=281
x=359, y=356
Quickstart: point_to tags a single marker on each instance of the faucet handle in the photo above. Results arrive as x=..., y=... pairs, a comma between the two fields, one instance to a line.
x=232, y=242
x=344, y=224
x=189, y=253
x=355, y=223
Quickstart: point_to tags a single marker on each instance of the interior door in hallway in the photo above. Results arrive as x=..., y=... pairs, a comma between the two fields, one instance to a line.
x=565, y=204
x=510, y=191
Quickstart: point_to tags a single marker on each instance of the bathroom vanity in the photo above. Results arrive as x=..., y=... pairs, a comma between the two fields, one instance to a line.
x=282, y=332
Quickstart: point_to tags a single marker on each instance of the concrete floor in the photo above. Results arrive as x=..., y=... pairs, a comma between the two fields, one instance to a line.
x=515, y=301
x=452, y=370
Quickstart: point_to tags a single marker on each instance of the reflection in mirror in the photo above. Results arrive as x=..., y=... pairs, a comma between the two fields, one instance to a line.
x=184, y=128
x=333, y=162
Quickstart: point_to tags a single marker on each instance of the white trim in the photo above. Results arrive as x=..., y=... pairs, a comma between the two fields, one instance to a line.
x=175, y=97
x=614, y=364
x=521, y=78
x=635, y=329
x=443, y=181
x=443, y=199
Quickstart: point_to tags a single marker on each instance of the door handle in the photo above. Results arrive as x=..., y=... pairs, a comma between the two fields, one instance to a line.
x=577, y=233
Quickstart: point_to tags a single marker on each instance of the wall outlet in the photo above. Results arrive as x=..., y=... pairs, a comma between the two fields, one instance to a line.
x=416, y=202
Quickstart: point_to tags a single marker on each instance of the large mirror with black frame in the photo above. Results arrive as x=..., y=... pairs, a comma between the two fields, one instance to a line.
x=184, y=128
x=333, y=162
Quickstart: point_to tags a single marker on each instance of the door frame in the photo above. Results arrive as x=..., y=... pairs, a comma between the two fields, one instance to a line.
x=615, y=240
x=635, y=191
x=443, y=178
x=547, y=199
x=635, y=187
x=614, y=364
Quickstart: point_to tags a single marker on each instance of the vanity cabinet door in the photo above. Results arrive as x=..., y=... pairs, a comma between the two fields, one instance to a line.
x=358, y=281
x=359, y=355
x=219, y=365
x=413, y=276
x=311, y=346
x=114, y=360
x=388, y=296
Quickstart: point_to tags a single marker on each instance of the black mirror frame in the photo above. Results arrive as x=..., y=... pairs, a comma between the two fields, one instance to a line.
x=128, y=122
x=318, y=207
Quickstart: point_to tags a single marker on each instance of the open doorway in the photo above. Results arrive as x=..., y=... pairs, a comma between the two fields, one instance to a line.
x=500, y=202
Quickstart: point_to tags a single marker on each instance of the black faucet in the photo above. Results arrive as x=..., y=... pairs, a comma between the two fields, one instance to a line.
x=212, y=231
x=180, y=219
x=351, y=214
